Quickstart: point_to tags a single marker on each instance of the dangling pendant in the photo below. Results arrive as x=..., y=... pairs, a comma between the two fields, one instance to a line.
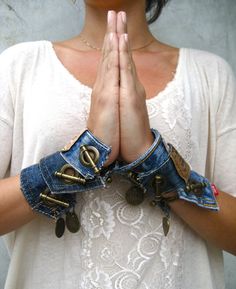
x=72, y=222
x=166, y=225
x=134, y=196
x=60, y=227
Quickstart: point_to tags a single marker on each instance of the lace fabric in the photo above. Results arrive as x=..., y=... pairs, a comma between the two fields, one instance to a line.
x=123, y=246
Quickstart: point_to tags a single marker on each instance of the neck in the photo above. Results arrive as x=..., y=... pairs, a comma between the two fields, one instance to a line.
x=96, y=20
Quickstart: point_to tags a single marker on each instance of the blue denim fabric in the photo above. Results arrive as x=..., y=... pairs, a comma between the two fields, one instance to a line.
x=49, y=165
x=72, y=156
x=156, y=161
x=41, y=177
x=33, y=184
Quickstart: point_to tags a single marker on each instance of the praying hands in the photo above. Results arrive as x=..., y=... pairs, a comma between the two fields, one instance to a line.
x=118, y=113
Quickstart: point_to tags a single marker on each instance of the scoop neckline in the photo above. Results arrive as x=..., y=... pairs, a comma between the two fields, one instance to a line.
x=170, y=85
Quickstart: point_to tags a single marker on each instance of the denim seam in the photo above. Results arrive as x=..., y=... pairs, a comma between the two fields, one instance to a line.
x=200, y=198
x=107, y=148
x=149, y=173
x=46, y=169
x=212, y=205
x=148, y=154
x=27, y=190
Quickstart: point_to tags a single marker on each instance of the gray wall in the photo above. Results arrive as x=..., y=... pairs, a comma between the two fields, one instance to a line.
x=204, y=24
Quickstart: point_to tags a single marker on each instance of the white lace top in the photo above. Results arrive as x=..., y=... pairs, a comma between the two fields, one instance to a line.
x=42, y=106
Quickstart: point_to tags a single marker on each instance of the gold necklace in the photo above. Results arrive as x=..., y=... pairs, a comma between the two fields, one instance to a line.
x=88, y=44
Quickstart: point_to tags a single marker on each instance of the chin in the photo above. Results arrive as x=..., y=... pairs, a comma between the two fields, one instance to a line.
x=106, y=4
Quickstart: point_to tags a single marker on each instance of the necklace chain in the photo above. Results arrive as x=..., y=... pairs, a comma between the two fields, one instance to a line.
x=88, y=44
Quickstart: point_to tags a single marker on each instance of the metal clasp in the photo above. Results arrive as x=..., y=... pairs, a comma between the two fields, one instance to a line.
x=70, y=175
x=89, y=157
x=49, y=200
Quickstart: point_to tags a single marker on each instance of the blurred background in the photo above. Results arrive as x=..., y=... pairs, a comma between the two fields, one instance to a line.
x=204, y=24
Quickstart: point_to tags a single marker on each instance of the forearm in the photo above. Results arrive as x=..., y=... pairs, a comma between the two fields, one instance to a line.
x=14, y=209
x=219, y=228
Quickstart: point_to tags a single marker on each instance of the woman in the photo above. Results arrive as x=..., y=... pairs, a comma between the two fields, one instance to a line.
x=187, y=95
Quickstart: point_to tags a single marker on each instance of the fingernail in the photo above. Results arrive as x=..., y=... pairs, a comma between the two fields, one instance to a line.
x=126, y=37
x=109, y=16
x=123, y=16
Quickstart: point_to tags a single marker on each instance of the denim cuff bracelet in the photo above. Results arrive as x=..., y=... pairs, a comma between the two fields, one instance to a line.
x=163, y=174
x=50, y=186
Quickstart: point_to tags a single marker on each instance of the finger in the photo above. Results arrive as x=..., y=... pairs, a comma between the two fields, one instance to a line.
x=111, y=27
x=121, y=23
x=107, y=45
x=127, y=68
x=111, y=21
x=108, y=72
x=108, y=69
x=110, y=66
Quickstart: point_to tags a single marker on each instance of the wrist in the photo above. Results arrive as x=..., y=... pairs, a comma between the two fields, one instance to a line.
x=140, y=150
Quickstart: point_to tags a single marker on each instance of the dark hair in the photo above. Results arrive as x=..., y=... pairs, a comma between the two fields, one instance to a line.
x=154, y=8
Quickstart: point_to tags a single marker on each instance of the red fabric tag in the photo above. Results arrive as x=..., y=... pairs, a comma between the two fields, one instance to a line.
x=215, y=190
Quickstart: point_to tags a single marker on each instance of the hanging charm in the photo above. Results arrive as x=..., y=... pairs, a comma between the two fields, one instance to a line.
x=166, y=225
x=72, y=222
x=134, y=196
x=181, y=165
x=60, y=227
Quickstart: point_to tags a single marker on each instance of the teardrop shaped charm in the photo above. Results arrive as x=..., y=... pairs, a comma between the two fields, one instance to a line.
x=60, y=227
x=166, y=225
x=134, y=196
x=72, y=222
